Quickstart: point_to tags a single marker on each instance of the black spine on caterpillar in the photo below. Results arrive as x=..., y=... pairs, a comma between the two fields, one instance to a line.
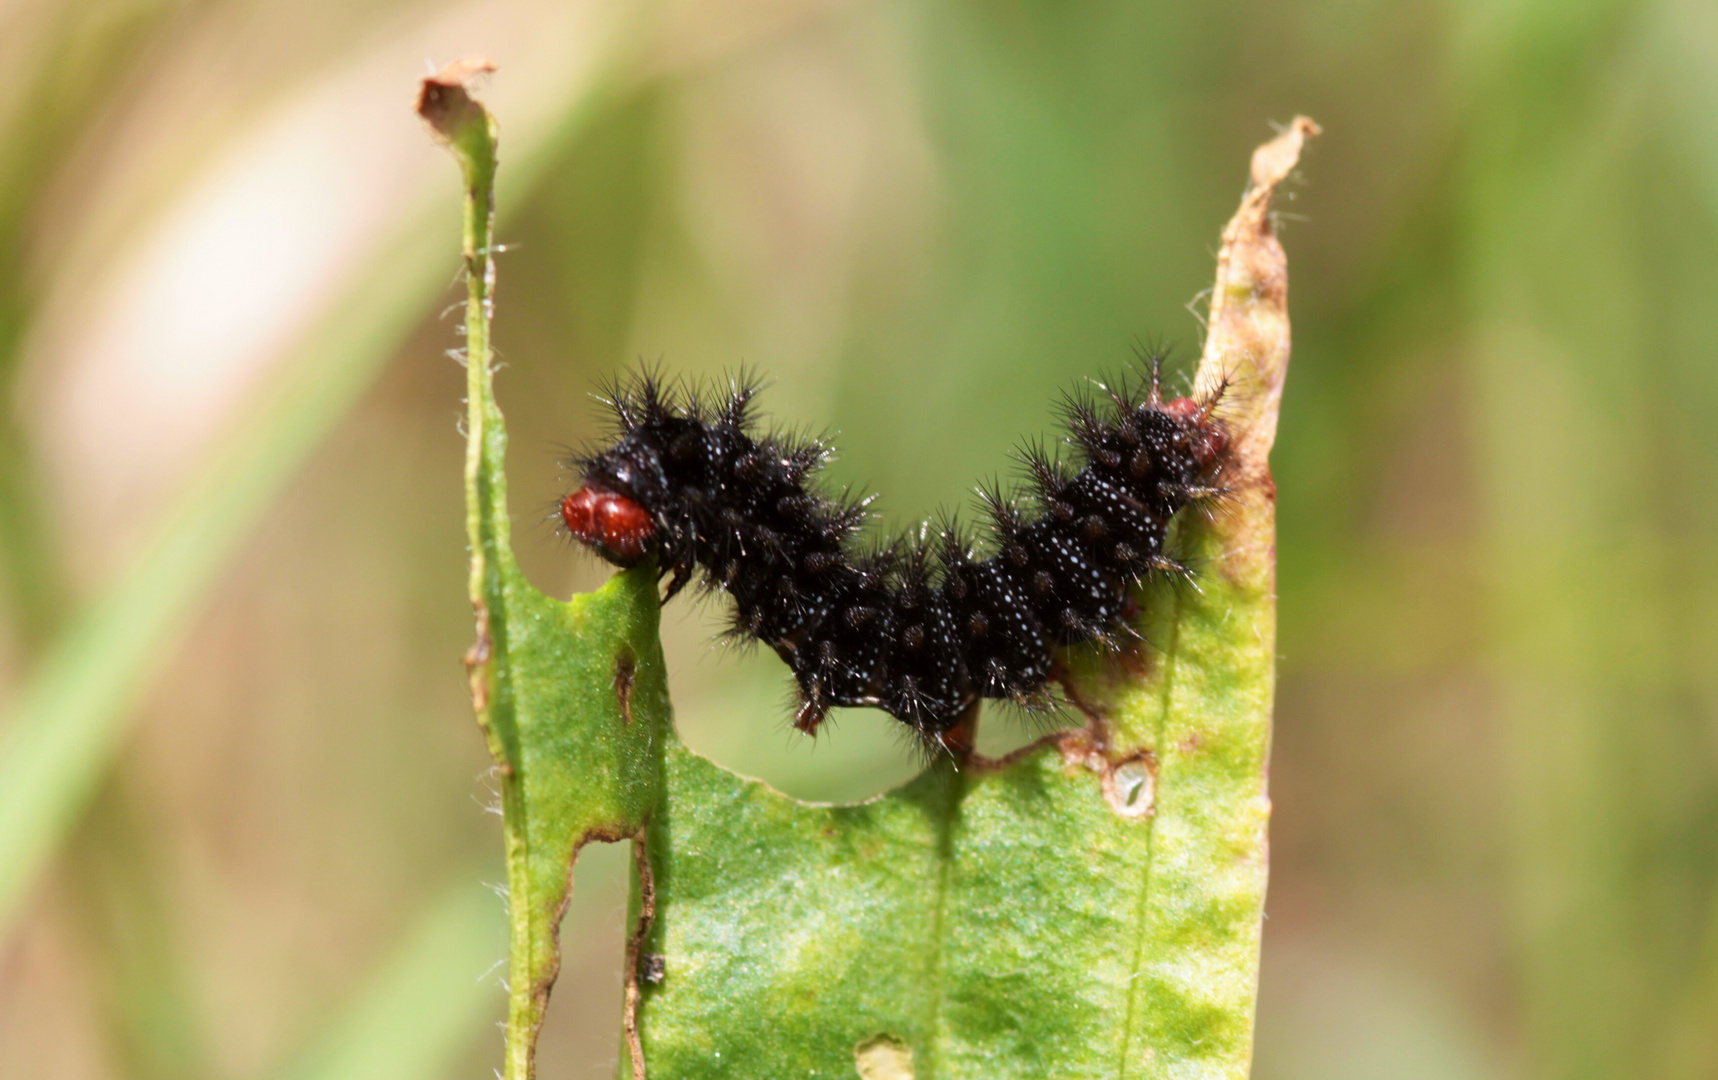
x=919, y=627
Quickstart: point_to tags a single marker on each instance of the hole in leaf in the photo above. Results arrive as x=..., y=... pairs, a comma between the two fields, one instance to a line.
x=735, y=706
x=883, y=1057
x=586, y=1008
x=1131, y=787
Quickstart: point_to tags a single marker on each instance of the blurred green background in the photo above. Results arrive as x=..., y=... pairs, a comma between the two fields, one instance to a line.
x=245, y=830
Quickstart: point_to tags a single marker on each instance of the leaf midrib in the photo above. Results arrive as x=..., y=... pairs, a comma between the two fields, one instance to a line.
x=1142, y=909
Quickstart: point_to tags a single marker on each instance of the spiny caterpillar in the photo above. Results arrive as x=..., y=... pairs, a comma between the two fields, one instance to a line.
x=919, y=626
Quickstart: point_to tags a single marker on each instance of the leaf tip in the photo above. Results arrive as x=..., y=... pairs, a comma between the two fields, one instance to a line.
x=1275, y=160
x=445, y=102
x=1247, y=348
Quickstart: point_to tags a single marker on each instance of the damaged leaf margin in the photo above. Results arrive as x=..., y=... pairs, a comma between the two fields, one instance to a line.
x=1198, y=711
x=572, y=697
x=1089, y=906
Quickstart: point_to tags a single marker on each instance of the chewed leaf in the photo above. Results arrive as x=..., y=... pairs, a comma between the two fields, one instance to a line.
x=572, y=697
x=1090, y=906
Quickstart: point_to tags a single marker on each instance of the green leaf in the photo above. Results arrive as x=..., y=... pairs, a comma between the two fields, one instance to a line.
x=572, y=697
x=1090, y=906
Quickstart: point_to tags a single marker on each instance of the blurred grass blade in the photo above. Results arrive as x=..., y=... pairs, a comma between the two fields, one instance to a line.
x=70, y=715
x=68, y=719
x=425, y=1002
x=116, y=878
x=78, y=62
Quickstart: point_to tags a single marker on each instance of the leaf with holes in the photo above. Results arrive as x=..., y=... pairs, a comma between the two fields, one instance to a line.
x=1089, y=906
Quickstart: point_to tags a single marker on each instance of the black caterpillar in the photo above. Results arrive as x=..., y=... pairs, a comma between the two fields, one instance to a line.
x=918, y=626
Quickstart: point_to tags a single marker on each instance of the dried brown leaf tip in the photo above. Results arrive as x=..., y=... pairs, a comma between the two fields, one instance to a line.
x=1247, y=344
x=444, y=99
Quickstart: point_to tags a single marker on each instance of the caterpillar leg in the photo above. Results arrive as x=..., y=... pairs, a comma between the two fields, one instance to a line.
x=808, y=717
x=959, y=739
x=956, y=742
x=682, y=575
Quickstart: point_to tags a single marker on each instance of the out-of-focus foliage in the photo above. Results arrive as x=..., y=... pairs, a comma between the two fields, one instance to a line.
x=1495, y=778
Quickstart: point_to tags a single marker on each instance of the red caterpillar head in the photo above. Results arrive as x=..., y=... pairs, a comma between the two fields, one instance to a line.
x=617, y=527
